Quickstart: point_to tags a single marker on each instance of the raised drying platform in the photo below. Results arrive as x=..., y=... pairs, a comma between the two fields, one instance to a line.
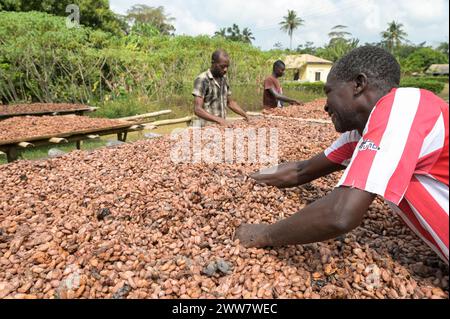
x=41, y=109
x=24, y=132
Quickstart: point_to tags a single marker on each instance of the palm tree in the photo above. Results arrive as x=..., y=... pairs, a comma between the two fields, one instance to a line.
x=247, y=36
x=290, y=23
x=221, y=33
x=394, y=35
x=338, y=32
x=234, y=32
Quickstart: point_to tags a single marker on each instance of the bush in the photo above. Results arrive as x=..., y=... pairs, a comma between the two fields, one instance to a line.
x=421, y=59
x=442, y=79
x=41, y=60
x=430, y=85
x=316, y=87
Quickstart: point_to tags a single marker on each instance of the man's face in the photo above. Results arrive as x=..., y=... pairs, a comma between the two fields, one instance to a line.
x=279, y=71
x=340, y=104
x=220, y=67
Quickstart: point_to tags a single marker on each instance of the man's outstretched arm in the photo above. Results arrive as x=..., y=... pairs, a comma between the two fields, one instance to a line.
x=232, y=104
x=329, y=217
x=283, y=98
x=297, y=173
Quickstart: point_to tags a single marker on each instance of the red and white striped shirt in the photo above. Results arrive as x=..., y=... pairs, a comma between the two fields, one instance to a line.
x=403, y=157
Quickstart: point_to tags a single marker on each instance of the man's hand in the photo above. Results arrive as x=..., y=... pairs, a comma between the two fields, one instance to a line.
x=252, y=235
x=282, y=176
x=297, y=173
x=222, y=122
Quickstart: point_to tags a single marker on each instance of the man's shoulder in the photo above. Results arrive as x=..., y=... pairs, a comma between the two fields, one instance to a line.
x=203, y=75
x=270, y=78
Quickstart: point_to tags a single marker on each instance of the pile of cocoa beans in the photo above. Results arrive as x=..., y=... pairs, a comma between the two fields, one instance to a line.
x=128, y=222
x=309, y=110
x=38, y=108
x=36, y=126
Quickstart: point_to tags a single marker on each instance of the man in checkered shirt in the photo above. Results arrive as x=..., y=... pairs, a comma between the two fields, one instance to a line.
x=212, y=93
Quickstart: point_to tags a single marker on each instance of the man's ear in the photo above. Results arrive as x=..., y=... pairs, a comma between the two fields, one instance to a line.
x=361, y=83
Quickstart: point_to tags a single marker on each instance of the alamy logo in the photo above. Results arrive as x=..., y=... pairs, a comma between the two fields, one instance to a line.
x=368, y=145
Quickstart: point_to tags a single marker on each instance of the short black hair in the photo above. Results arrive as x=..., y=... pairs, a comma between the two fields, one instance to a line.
x=279, y=64
x=380, y=67
x=217, y=54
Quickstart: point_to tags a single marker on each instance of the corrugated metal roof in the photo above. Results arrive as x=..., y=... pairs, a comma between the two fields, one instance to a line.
x=438, y=69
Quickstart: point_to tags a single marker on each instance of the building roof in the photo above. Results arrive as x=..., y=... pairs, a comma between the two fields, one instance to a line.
x=297, y=61
x=438, y=69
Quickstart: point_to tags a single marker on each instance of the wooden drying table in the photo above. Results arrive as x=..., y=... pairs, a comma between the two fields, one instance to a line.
x=12, y=147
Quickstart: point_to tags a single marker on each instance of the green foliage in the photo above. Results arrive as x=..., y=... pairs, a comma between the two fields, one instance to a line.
x=337, y=48
x=42, y=60
x=233, y=33
x=156, y=17
x=290, y=23
x=144, y=30
x=316, y=87
x=93, y=13
x=442, y=79
x=393, y=36
x=443, y=47
x=421, y=59
x=307, y=48
x=430, y=85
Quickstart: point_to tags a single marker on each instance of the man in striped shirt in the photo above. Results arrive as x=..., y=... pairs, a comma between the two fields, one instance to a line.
x=394, y=144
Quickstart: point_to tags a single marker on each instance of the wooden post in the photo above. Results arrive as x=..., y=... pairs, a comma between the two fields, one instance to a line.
x=12, y=154
x=79, y=143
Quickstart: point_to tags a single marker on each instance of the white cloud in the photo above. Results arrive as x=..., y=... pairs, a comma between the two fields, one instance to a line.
x=423, y=20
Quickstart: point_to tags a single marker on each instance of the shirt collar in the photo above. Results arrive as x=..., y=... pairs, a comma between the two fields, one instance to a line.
x=210, y=74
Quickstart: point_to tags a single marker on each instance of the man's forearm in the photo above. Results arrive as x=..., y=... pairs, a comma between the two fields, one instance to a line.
x=282, y=97
x=285, y=99
x=297, y=173
x=337, y=213
x=201, y=113
x=237, y=109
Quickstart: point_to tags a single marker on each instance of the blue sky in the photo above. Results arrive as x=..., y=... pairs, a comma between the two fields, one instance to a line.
x=423, y=20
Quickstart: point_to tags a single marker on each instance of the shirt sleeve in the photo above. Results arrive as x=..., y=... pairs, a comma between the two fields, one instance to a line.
x=386, y=156
x=199, y=87
x=342, y=149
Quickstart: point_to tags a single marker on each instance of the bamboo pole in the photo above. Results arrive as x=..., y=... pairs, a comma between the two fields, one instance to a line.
x=57, y=140
x=170, y=122
x=137, y=127
x=254, y=113
x=146, y=115
x=25, y=144
x=92, y=137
